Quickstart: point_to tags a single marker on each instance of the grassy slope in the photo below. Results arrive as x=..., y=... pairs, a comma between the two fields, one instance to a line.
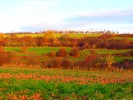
x=54, y=90
x=48, y=49
x=39, y=50
x=43, y=50
x=60, y=90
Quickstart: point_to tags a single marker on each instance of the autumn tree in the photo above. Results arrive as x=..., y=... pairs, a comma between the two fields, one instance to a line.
x=27, y=41
x=24, y=49
x=64, y=39
x=1, y=48
x=12, y=40
x=62, y=52
x=65, y=63
x=93, y=50
x=74, y=52
x=109, y=60
x=5, y=57
x=1, y=36
x=39, y=41
x=51, y=54
x=49, y=36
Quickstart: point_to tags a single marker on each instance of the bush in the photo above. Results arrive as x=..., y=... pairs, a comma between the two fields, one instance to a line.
x=74, y=52
x=24, y=49
x=65, y=63
x=5, y=57
x=62, y=52
x=54, y=63
x=125, y=64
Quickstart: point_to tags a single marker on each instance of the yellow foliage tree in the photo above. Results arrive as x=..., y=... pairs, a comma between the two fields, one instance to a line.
x=1, y=35
x=49, y=34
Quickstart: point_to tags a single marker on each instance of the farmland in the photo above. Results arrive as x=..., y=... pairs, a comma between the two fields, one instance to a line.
x=78, y=35
x=66, y=50
x=44, y=50
x=51, y=66
x=32, y=83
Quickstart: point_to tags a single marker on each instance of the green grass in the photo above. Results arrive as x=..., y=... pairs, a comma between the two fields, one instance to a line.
x=12, y=49
x=82, y=35
x=102, y=51
x=65, y=90
x=119, y=59
x=38, y=50
x=41, y=50
x=61, y=72
x=60, y=90
x=44, y=50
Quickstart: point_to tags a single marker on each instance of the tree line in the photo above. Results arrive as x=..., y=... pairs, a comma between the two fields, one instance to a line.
x=104, y=41
x=61, y=58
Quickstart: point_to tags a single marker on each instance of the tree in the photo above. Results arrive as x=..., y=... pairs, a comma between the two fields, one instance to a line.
x=27, y=41
x=39, y=41
x=109, y=60
x=49, y=37
x=24, y=49
x=5, y=57
x=1, y=36
x=49, y=34
x=1, y=49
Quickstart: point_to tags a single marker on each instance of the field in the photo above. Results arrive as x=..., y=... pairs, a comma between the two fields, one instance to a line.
x=57, y=35
x=44, y=50
x=39, y=84
x=66, y=66
x=66, y=50
x=38, y=50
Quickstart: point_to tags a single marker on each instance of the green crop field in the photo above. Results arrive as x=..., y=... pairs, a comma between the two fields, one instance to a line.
x=118, y=59
x=38, y=50
x=40, y=84
x=48, y=49
x=84, y=53
x=106, y=51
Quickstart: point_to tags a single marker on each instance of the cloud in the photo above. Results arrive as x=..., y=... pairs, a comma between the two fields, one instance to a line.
x=33, y=5
x=113, y=20
x=37, y=15
x=28, y=12
x=119, y=20
x=103, y=16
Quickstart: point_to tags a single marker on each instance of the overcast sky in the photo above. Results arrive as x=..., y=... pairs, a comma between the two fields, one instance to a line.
x=38, y=15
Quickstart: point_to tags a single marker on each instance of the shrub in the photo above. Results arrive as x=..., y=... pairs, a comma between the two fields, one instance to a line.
x=62, y=52
x=74, y=52
x=5, y=57
x=65, y=63
x=24, y=49
x=54, y=63
x=125, y=64
x=51, y=54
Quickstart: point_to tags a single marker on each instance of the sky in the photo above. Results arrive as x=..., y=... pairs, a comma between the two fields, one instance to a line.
x=41, y=15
